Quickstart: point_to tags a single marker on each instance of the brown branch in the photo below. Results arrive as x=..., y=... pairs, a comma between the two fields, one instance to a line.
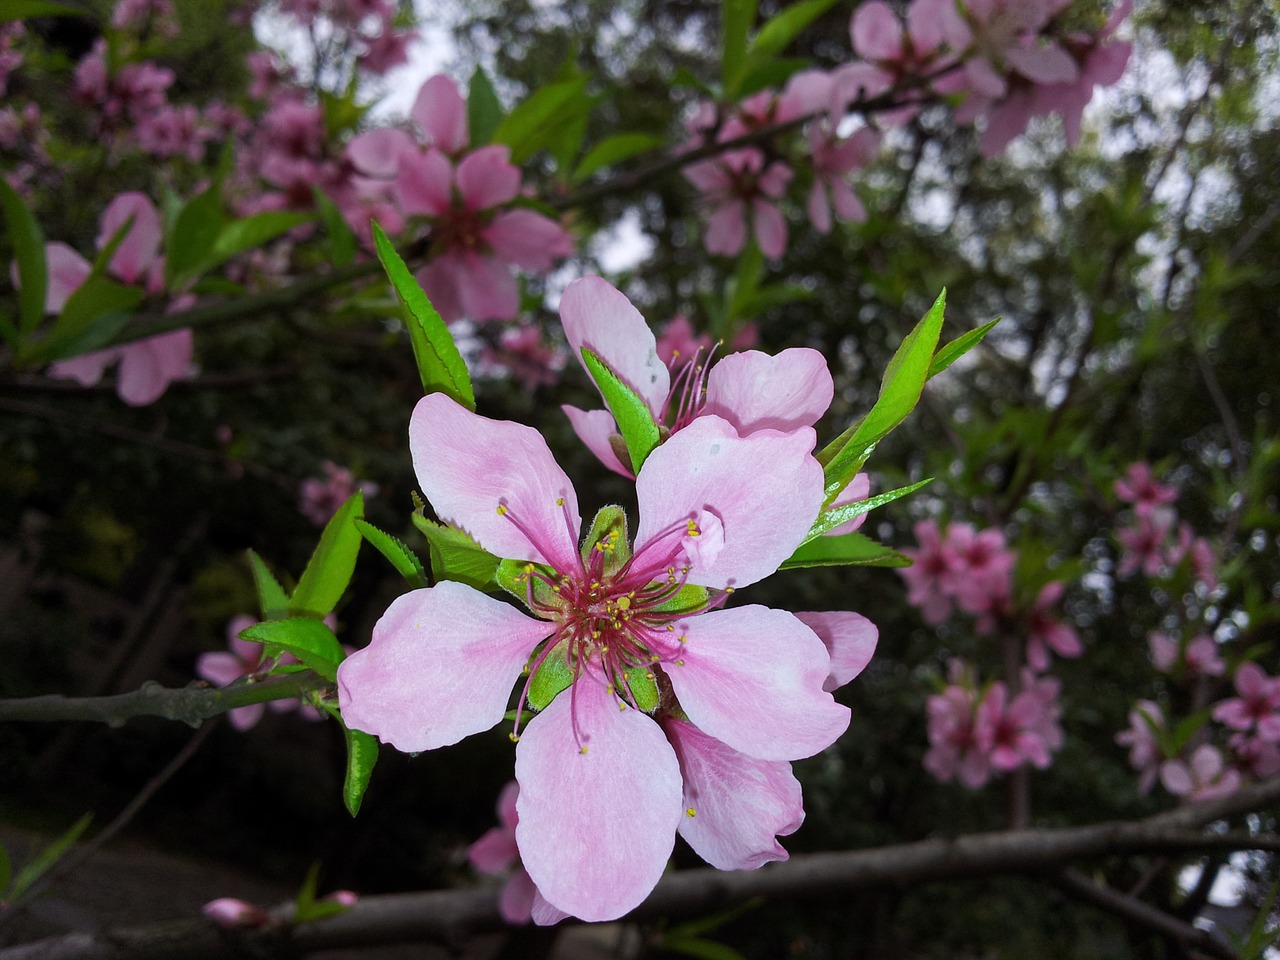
x=451, y=915
x=191, y=704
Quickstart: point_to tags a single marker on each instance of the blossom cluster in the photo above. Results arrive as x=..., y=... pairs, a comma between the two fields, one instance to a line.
x=1154, y=542
x=652, y=706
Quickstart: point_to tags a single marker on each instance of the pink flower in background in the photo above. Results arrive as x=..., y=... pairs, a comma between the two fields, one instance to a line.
x=1138, y=487
x=750, y=680
x=930, y=576
x=243, y=658
x=155, y=16
x=524, y=353
x=954, y=746
x=1146, y=543
x=833, y=159
x=1024, y=729
x=889, y=55
x=1047, y=632
x=678, y=341
x=980, y=580
x=1257, y=708
x=1203, y=776
x=496, y=853
x=1254, y=757
x=232, y=913
x=751, y=390
x=1202, y=658
x=1145, y=754
x=320, y=497
x=738, y=186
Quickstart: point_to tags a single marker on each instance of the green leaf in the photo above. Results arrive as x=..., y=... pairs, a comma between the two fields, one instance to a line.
x=331, y=565
x=362, y=754
x=440, y=364
x=195, y=232
x=484, y=110
x=250, y=232
x=272, y=600
x=401, y=557
x=456, y=556
x=28, y=248
x=24, y=9
x=532, y=124
x=899, y=393
x=342, y=242
x=97, y=304
x=45, y=860
x=776, y=35
x=958, y=347
x=736, y=19
x=635, y=422
x=849, y=549
x=830, y=519
x=309, y=640
x=551, y=677
x=775, y=73
x=613, y=150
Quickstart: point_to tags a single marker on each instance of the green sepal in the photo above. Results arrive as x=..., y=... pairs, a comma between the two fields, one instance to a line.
x=272, y=600
x=455, y=555
x=958, y=347
x=834, y=517
x=608, y=535
x=689, y=597
x=362, y=754
x=309, y=640
x=635, y=421
x=440, y=365
x=400, y=556
x=331, y=565
x=552, y=676
x=45, y=859
x=513, y=577
x=900, y=389
x=643, y=688
x=848, y=549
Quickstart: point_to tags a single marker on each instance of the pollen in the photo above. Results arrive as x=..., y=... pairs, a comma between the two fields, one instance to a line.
x=502, y=509
x=624, y=603
x=693, y=529
x=691, y=812
x=559, y=501
x=583, y=750
x=515, y=737
x=679, y=663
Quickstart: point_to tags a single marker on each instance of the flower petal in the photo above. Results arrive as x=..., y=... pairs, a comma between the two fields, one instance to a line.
x=850, y=639
x=469, y=465
x=876, y=31
x=594, y=428
x=67, y=271
x=424, y=183
x=486, y=178
x=487, y=286
x=495, y=851
x=377, y=153
x=753, y=678
x=219, y=667
x=141, y=244
x=740, y=805
x=440, y=113
x=440, y=667
x=515, y=903
x=598, y=316
x=86, y=369
x=527, y=239
x=596, y=826
x=756, y=391
x=765, y=488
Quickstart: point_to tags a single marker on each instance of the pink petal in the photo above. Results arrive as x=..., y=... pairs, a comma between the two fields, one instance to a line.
x=848, y=207
x=141, y=245
x=440, y=667
x=440, y=114
x=594, y=428
x=508, y=816
x=756, y=391
x=67, y=271
x=86, y=369
x=850, y=639
x=469, y=465
x=487, y=286
x=598, y=316
x=925, y=24
x=726, y=230
x=818, y=207
x=439, y=279
x=764, y=488
x=424, y=183
x=983, y=77
x=740, y=804
x=220, y=668
x=515, y=903
x=495, y=851
x=753, y=678
x=770, y=228
x=487, y=179
x=876, y=32
x=1045, y=64
x=542, y=912
x=147, y=367
x=243, y=718
x=527, y=239
x=377, y=153
x=596, y=826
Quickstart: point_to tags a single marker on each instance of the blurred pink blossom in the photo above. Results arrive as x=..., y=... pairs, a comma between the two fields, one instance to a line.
x=1202, y=658
x=737, y=186
x=1203, y=776
x=229, y=912
x=496, y=853
x=1145, y=754
x=1138, y=487
x=1257, y=708
x=1047, y=632
x=319, y=498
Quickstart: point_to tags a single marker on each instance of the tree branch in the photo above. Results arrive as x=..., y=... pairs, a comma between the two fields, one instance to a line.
x=451, y=915
x=190, y=704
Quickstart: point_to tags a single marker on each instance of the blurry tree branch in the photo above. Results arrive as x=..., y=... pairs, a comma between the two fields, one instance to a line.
x=450, y=916
x=190, y=704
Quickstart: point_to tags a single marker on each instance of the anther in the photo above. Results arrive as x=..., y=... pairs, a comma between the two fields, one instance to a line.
x=515, y=737
x=583, y=750
x=691, y=812
x=679, y=663
x=502, y=509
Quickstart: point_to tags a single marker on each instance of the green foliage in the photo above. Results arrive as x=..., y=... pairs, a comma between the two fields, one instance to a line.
x=846, y=549
x=545, y=115
x=309, y=640
x=455, y=555
x=484, y=111
x=272, y=600
x=362, y=754
x=615, y=149
x=33, y=274
x=833, y=517
x=635, y=421
x=398, y=555
x=331, y=565
x=14, y=889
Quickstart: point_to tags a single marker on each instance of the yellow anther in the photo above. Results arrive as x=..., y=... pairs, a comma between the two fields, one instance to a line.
x=502, y=509
x=679, y=663
x=728, y=589
x=671, y=628
x=609, y=689
x=624, y=603
x=693, y=529
x=648, y=674
x=622, y=705
x=583, y=750
x=691, y=812
x=515, y=737
x=559, y=501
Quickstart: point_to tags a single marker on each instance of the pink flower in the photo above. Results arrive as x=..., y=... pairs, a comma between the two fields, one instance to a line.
x=1138, y=486
x=751, y=390
x=1022, y=730
x=1144, y=749
x=319, y=499
x=1201, y=660
x=1047, y=632
x=930, y=576
x=890, y=56
x=954, y=746
x=1145, y=543
x=983, y=567
x=833, y=160
x=679, y=342
x=1203, y=777
x=496, y=853
x=229, y=912
x=636, y=640
x=525, y=354
x=1257, y=709
x=1254, y=757
x=243, y=658
x=737, y=185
